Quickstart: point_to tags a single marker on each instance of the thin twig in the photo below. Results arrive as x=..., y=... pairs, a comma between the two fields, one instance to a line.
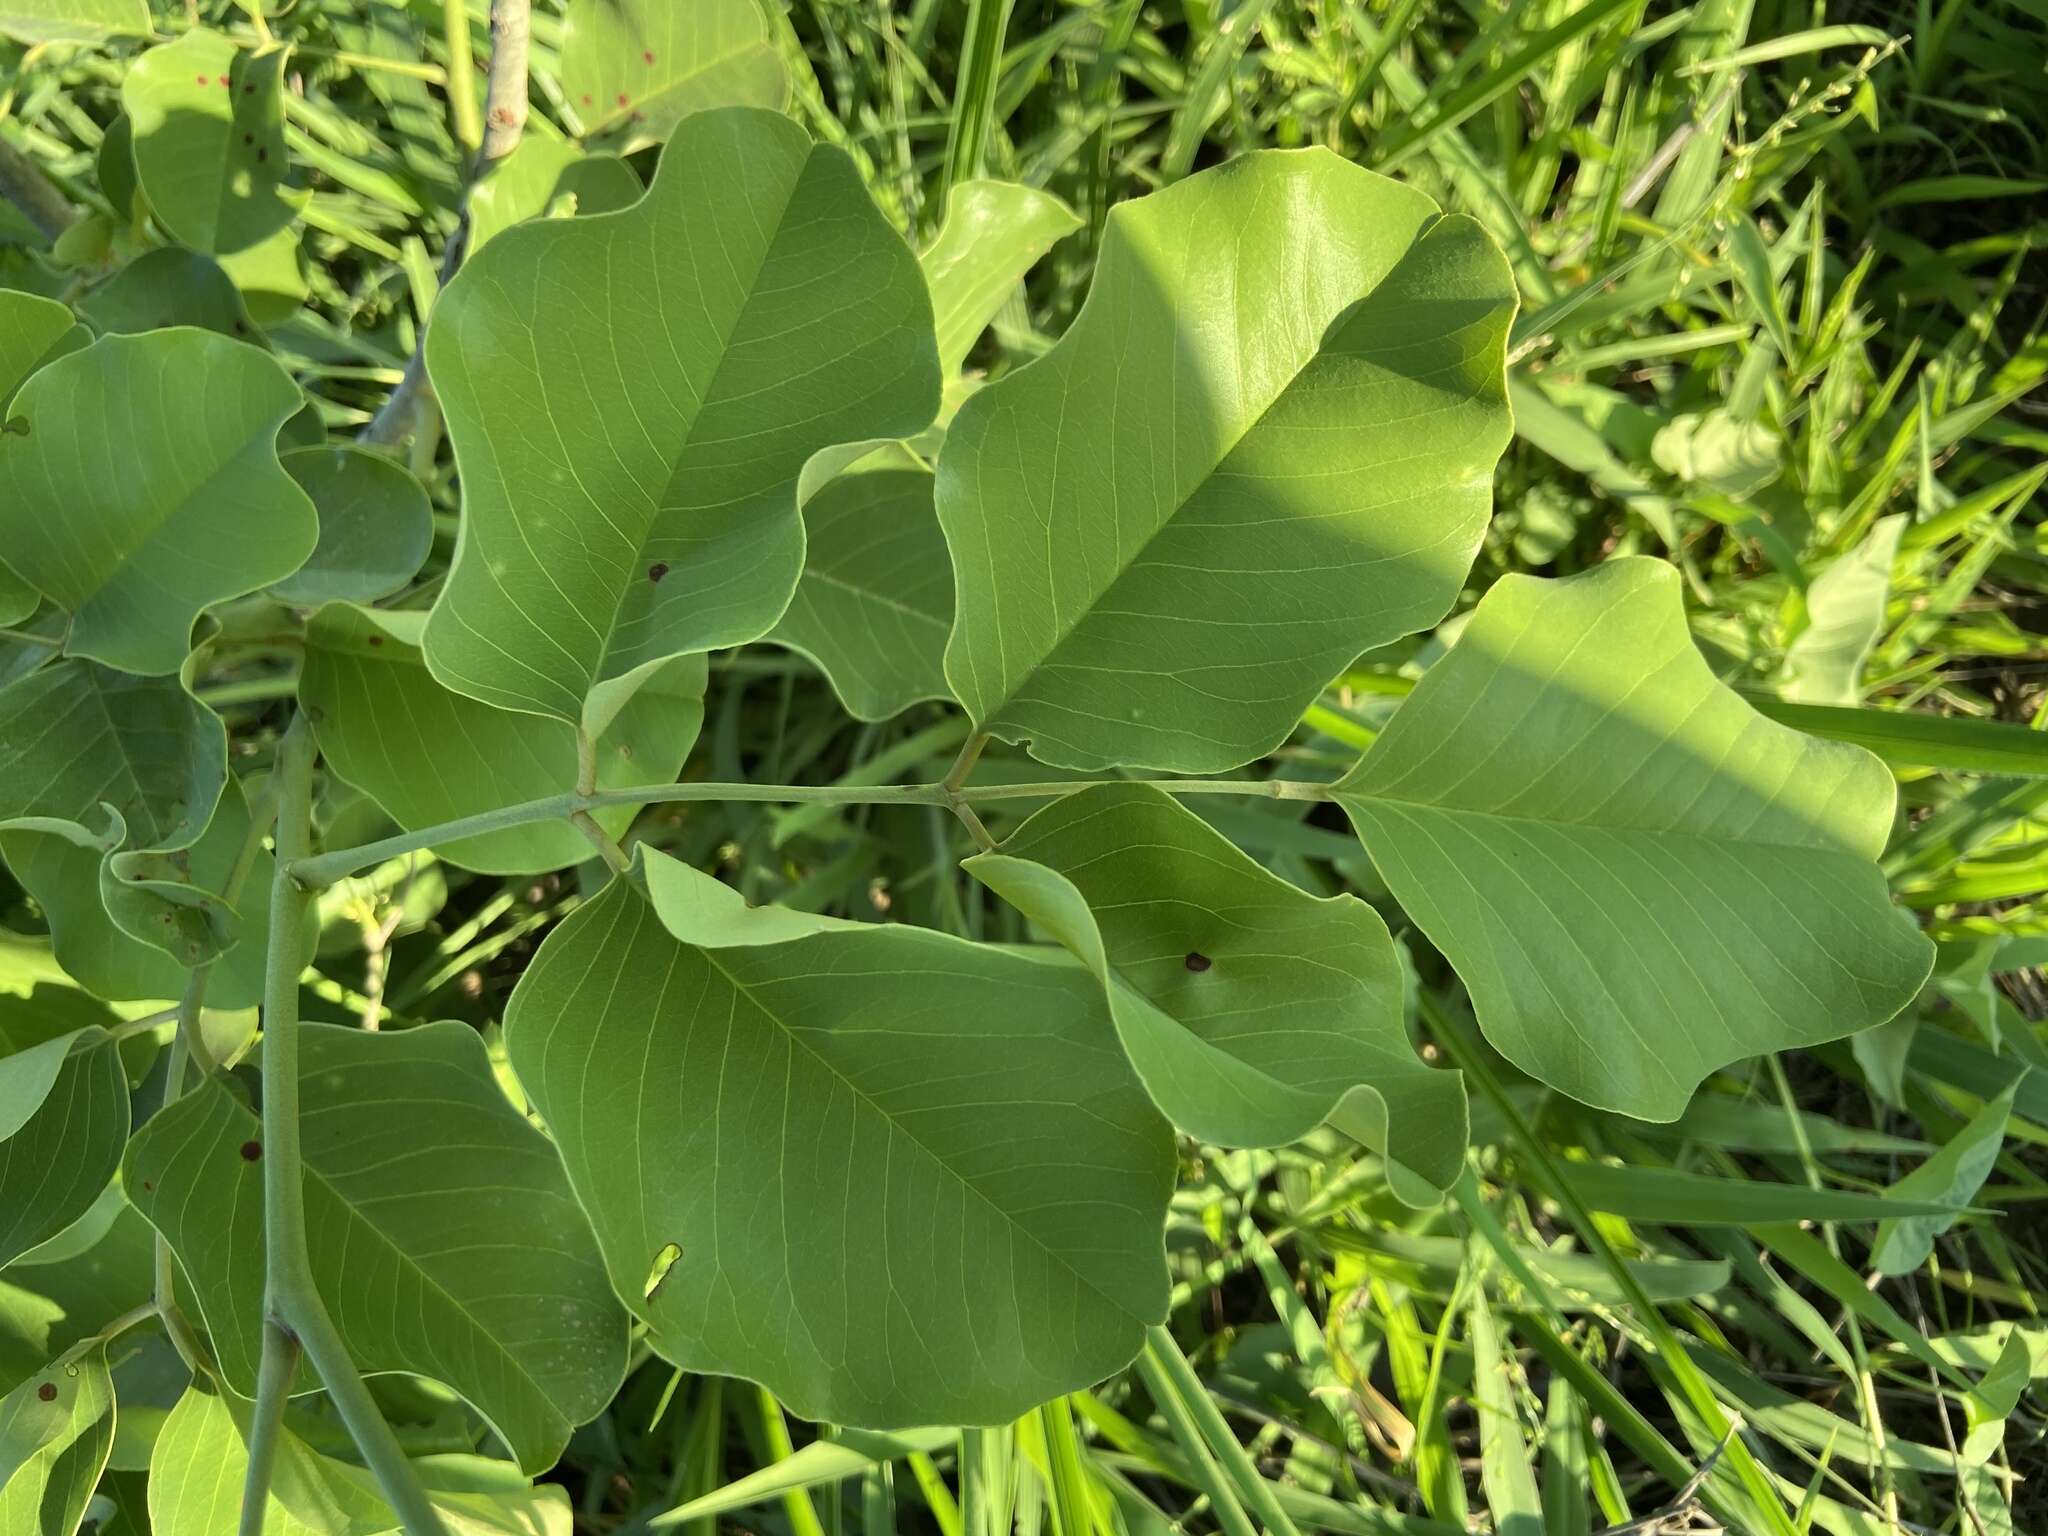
x=504, y=122
x=23, y=183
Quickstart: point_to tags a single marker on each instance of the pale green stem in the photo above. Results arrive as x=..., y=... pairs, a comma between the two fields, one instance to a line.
x=292, y=1302
x=280, y=1362
x=322, y=871
x=797, y=1507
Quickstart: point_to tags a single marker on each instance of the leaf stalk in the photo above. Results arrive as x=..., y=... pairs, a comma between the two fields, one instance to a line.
x=292, y=1303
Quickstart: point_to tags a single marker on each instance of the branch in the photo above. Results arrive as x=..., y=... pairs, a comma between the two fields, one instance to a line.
x=317, y=873
x=504, y=121
x=293, y=1308
x=23, y=184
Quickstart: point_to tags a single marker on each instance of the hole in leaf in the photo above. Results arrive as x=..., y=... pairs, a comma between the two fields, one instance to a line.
x=664, y=1261
x=17, y=426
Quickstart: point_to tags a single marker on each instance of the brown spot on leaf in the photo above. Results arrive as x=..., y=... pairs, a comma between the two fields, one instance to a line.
x=657, y=570
x=647, y=56
x=251, y=1150
x=625, y=100
x=1197, y=961
x=47, y=1392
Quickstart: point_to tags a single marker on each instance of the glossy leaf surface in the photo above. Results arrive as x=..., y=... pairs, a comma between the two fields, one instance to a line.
x=1639, y=878
x=846, y=1160
x=630, y=450
x=200, y=510
x=444, y=1239
x=427, y=754
x=1252, y=1011
x=1264, y=446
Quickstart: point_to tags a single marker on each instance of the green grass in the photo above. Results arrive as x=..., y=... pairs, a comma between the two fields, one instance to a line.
x=1782, y=280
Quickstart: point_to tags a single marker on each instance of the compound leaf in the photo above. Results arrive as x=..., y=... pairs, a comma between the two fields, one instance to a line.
x=191, y=510
x=444, y=1239
x=376, y=525
x=899, y=1177
x=207, y=121
x=1639, y=877
x=875, y=601
x=1251, y=1010
x=427, y=754
x=633, y=398
x=632, y=69
x=1147, y=572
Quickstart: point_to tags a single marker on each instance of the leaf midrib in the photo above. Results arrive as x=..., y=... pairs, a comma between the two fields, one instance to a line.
x=1065, y=631
x=711, y=956
x=540, y=1392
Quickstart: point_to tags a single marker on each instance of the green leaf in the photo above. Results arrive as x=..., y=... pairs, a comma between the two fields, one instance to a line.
x=541, y=176
x=994, y=232
x=632, y=69
x=166, y=287
x=37, y=1033
x=201, y=1456
x=1909, y=738
x=49, y=21
x=1639, y=878
x=376, y=525
x=1505, y=1475
x=127, y=925
x=65, y=1107
x=630, y=450
x=875, y=601
x=898, y=1177
x=1719, y=452
x=75, y=736
x=1146, y=575
x=30, y=326
x=145, y=488
x=1845, y=616
x=207, y=121
x=444, y=1239
x=1670, y=1197
x=1252, y=1011
x=53, y=1447
x=1950, y=1178
x=429, y=755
